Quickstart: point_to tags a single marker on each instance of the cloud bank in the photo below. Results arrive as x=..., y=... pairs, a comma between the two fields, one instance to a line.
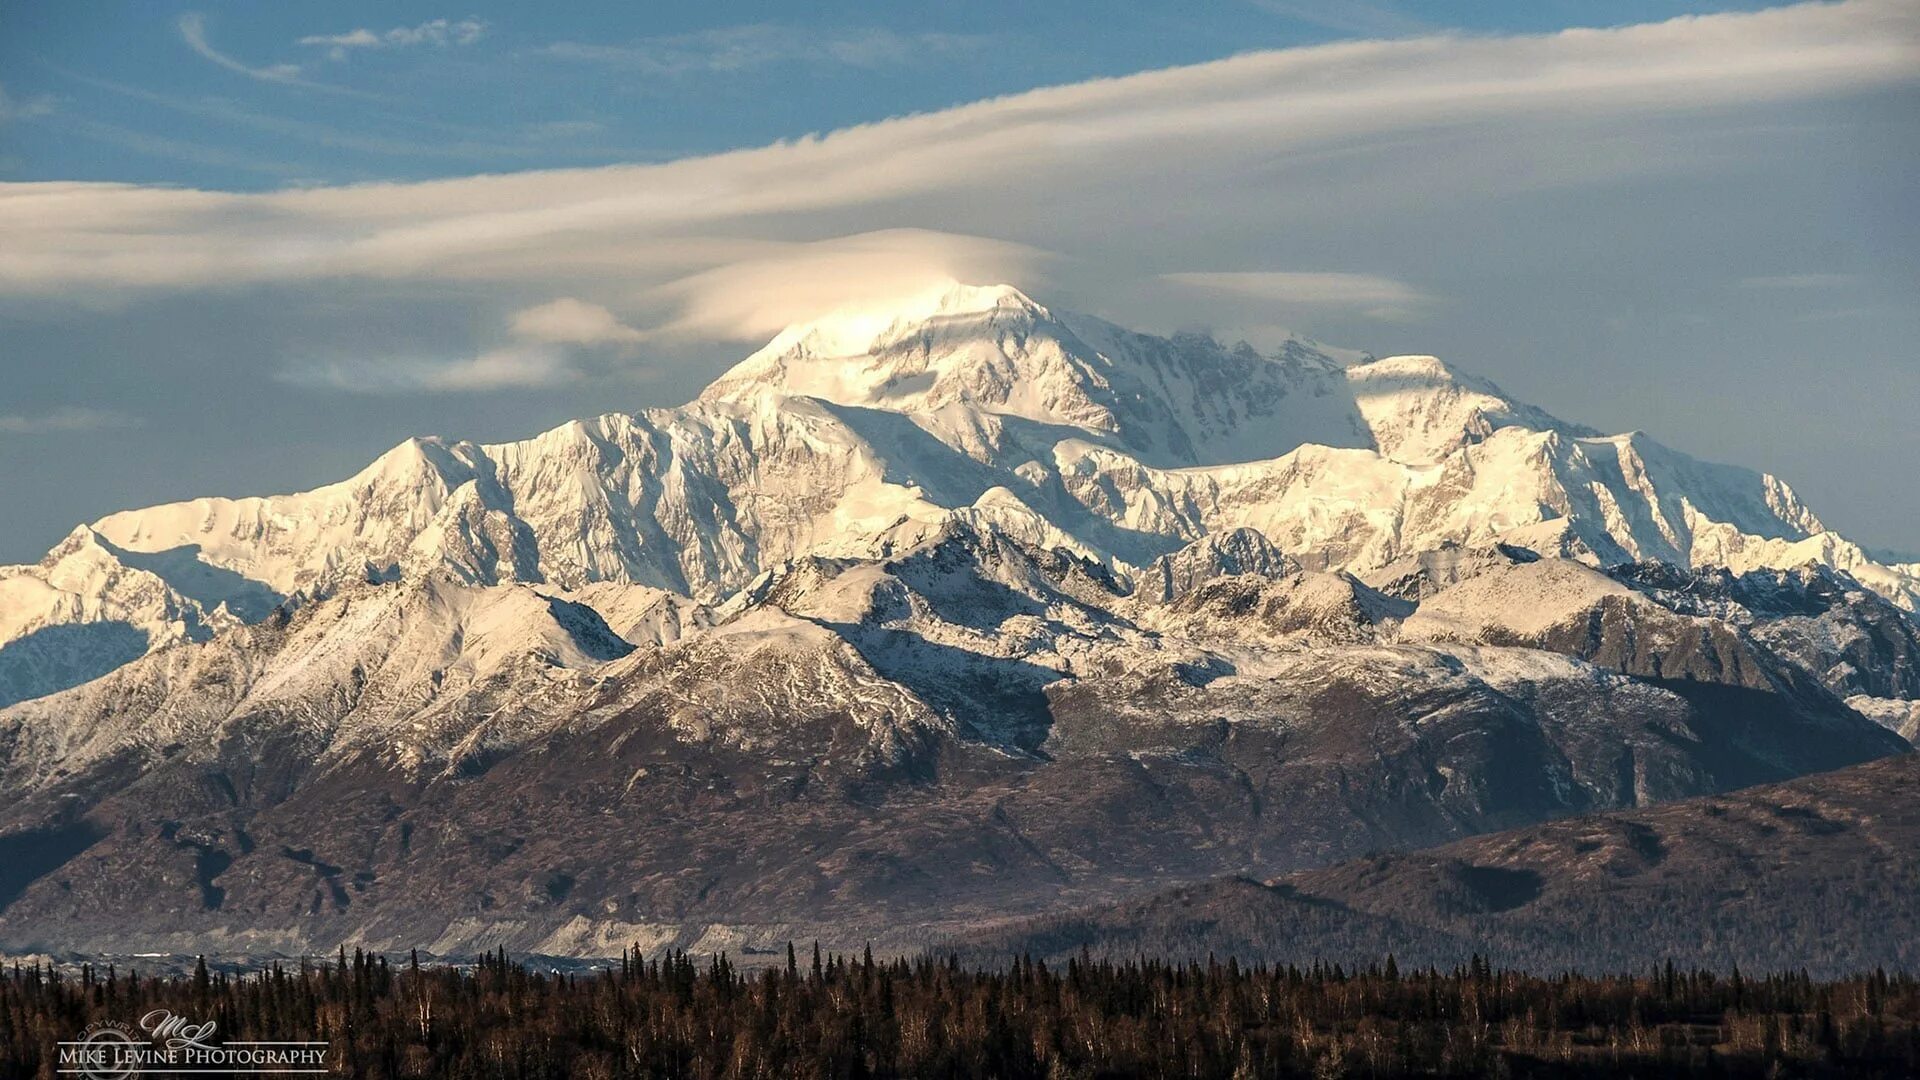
x=989, y=169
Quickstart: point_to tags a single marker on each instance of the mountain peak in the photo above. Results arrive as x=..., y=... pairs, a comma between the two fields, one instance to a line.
x=988, y=346
x=859, y=328
x=1064, y=430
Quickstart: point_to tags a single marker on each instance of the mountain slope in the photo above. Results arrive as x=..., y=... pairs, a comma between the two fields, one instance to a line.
x=1812, y=874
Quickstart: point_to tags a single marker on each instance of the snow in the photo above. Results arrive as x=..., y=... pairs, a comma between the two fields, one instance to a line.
x=964, y=403
x=1897, y=715
x=1520, y=600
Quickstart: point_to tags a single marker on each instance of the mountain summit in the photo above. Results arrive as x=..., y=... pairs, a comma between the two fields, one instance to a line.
x=974, y=403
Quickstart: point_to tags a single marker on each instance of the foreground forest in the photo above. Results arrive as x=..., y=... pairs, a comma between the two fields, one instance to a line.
x=846, y=1017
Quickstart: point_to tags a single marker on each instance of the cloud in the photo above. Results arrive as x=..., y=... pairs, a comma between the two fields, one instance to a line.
x=1371, y=20
x=1834, y=315
x=740, y=48
x=12, y=109
x=439, y=33
x=458, y=143
x=503, y=368
x=1364, y=291
x=552, y=343
x=63, y=419
x=1200, y=159
x=567, y=321
x=1799, y=281
x=193, y=31
x=755, y=295
x=564, y=129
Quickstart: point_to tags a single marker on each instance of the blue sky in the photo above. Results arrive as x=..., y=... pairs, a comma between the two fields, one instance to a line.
x=301, y=233
x=245, y=96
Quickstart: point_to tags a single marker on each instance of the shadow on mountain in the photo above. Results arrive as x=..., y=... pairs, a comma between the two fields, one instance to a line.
x=917, y=458
x=588, y=629
x=1489, y=889
x=203, y=583
x=951, y=478
x=1751, y=736
x=1003, y=699
x=56, y=658
x=26, y=857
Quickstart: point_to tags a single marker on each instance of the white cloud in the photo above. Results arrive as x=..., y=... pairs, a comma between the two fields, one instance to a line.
x=495, y=369
x=65, y=418
x=1348, y=17
x=1307, y=289
x=753, y=296
x=1799, y=281
x=551, y=344
x=193, y=30
x=740, y=48
x=1228, y=151
x=435, y=32
x=12, y=109
x=444, y=140
x=564, y=129
x=567, y=321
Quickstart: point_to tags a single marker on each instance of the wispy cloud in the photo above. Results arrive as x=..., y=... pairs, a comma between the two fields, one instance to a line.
x=162, y=146
x=457, y=142
x=496, y=369
x=1799, y=281
x=740, y=48
x=1834, y=315
x=563, y=129
x=64, y=419
x=728, y=243
x=28, y=108
x=552, y=343
x=435, y=32
x=567, y=321
x=193, y=31
x=1308, y=289
x=1370, y=20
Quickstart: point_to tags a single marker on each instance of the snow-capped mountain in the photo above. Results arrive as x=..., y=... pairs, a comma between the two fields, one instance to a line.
x=913, y=618
x=976, y=403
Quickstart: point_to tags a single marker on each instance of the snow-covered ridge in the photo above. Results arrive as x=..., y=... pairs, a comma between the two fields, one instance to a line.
x=974, y=404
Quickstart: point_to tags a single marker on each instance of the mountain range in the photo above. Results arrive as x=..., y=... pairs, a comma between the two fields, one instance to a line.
x=955, y=611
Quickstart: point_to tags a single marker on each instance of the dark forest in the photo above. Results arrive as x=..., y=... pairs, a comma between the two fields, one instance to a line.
x=675, y=1016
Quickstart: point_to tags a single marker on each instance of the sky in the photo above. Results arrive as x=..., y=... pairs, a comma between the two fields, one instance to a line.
x=246, y=248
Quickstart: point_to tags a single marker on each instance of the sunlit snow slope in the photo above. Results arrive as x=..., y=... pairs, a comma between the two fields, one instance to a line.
x=975, y=403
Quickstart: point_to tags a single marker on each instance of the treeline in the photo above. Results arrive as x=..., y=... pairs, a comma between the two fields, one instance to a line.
x=673, y=1016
